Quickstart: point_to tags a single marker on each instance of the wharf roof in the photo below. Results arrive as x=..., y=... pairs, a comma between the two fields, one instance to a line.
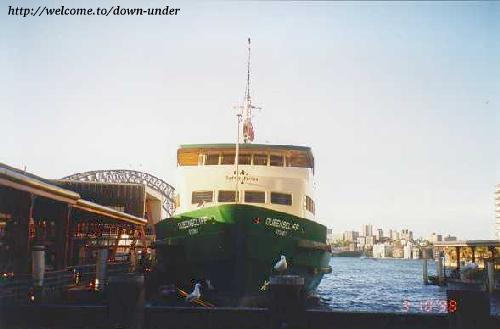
x=468, y=243
x=28, y=182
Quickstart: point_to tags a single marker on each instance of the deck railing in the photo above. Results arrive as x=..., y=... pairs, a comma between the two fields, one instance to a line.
x=19, y=288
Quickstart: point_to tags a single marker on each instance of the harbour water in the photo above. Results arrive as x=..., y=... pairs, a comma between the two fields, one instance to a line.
x=380, y=285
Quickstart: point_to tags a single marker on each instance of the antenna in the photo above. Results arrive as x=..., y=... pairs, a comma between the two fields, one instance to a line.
x=248, y=131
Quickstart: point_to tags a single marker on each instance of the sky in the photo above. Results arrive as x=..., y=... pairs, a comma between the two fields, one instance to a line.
x=399, y=101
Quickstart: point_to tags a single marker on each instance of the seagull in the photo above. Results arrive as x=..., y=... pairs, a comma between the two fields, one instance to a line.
x=281, y=265
x=195, y=295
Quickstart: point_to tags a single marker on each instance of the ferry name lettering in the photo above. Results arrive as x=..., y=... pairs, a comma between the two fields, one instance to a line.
x=192, y=223
x=282, y=224
x=243, y=179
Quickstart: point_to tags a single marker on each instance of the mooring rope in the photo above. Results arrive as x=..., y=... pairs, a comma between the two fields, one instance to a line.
x=198, y=301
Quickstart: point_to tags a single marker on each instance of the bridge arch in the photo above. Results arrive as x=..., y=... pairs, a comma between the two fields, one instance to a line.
x=131, y=176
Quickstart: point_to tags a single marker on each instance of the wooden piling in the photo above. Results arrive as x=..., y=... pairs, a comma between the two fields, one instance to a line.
x=38, y=265
x=424, y=271
x=287, y=301
x=491, y=277
x=440, y=270
x=100, y=269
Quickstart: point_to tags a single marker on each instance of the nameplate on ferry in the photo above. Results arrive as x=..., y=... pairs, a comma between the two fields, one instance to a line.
x=194, y=222
x=282, y=224
x=242, y=179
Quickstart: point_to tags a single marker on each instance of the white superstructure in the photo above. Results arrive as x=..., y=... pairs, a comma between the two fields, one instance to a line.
x=277, y=177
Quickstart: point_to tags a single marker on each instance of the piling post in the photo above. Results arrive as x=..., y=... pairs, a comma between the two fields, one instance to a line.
x=37, y=271
x=38, y=265
x=287, y=301
x=440, y=270
x=424, y=271
x=491, y=277
x=100, y=269
x=468, y=308
x=126, y=301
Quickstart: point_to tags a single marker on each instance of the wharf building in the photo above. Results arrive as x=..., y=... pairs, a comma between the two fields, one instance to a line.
x=70, y=220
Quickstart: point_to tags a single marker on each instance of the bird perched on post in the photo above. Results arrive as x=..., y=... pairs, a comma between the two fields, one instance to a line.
x=281, y=265
x=195, y=295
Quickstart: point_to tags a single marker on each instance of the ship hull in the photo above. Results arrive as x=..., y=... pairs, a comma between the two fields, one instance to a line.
x=235, y=247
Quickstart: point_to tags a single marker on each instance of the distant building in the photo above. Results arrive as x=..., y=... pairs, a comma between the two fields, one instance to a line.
x=450, y=238
x=407, y=235
x=351, y=236
x=397, y=252
x=382, y=250
x=379, y=235
x=329, y=236
x=436, y=237
x=395, y=235
x=367, y=230
x=407, y=250
x=361, y=242
x=497, y=210
x=370, y=240
x=415, y=253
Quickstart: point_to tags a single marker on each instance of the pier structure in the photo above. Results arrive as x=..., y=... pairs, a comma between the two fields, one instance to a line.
x=58, y=230
x=480, y=255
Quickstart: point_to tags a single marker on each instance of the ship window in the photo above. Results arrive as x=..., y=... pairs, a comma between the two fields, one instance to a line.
x=227, y=196
x=260, y=159
x=255, y=196
x=211, y=159
x=199, y=197
x=276, y=160
x=310, y=205
x=244, y=159
x=227, y=159
x=281, y=198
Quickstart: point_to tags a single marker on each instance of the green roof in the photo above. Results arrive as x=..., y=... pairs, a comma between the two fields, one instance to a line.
x=246, y=146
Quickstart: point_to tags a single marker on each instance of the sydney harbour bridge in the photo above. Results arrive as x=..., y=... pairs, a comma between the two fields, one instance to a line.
x=130, y=176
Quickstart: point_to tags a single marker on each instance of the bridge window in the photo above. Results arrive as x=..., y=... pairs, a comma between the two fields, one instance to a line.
x=244, y=159
x=276, y=160
x=227, y=196
x=212, y=159
x=227, y=159
x=255, y=196
x=187, y=159
x=200, y=197
x=260, y=159
x=281, y=198
x=310, y=205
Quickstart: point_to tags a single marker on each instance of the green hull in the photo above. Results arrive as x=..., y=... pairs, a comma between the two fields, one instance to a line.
x=235, y=247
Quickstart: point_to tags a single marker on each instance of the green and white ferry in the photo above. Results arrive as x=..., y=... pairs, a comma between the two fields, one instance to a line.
x=240, y=206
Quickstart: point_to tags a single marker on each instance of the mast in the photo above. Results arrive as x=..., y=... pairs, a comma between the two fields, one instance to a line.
x=244, y=115
x=248, y=131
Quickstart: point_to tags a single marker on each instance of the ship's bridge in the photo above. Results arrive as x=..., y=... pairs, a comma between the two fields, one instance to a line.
x=249, y=154
x=278, y=177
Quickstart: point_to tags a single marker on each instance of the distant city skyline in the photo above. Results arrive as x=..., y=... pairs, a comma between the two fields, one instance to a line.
x=392, y=233
x=399, y=101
